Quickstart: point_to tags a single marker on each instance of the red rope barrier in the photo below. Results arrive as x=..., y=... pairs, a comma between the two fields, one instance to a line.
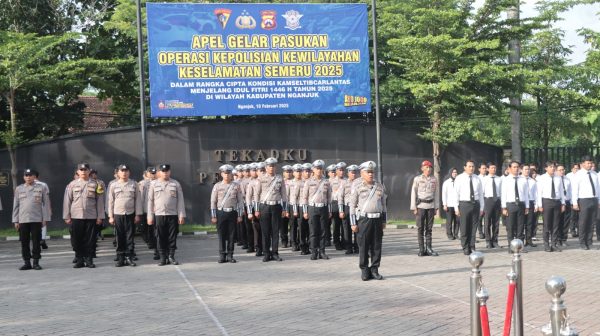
x=509, y=306
x=485, y=321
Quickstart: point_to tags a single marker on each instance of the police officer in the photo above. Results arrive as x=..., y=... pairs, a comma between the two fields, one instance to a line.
x=492, y=186
x=551, y=203
x=83, y=209
x=226, y=208
x=316, y=204
x=514, y=200
x=424, y=204
x=101, y=190
x=124, y=209
x=148, y=231
x=43, y=244
x=251, y=207
x=336, y=206
x=586, y=200
x=304, y=227
x=294, y=187
x=344, y=192
x=240, y=228
x=31, y=211
x=285, y=221
x=368, y=219
x=271, y=197
x=166, y=206
x=469, y=195
x=246, y=223
x=330, y=172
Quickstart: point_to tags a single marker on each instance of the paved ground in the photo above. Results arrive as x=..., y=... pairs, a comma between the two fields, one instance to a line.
x=419, y=296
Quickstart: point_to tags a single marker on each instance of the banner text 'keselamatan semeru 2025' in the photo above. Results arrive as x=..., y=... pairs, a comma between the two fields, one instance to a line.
x=247, y=59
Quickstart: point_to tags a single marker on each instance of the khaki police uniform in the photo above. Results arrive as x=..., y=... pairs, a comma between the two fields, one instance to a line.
x=124, y=203
x=316, y=202
x=344, y=192
x=251, y=207
x=336, y=208
x=31, y=208
x=166, y=205
x=271, y=196
x=226, y=205
x=423, y=199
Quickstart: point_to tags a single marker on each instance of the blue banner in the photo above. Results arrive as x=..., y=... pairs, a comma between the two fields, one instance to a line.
x=248, y=59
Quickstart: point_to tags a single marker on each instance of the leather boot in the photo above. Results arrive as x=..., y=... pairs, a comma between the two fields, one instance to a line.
x=89, y=262
x=429, y=250
x=163, y=259
x=120, y=261
x=422, y=252
x=323, y=255
x=231, y=260
x=375, y=274
x=26, y=265
x=365, y=274
x=130, y=261
x=314, y=255
x=36, y=264
x=222, y=258
x=172, y=260
x=78, y=263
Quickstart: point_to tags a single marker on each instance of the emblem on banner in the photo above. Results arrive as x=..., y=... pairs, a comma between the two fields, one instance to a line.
x=245, y=21
x=223, y=16
x=268, y=19
x=354, y=100
x=292, y=19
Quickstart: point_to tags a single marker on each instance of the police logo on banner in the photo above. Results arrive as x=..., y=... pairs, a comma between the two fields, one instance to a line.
x=223, y=16
x=292, y=19
x=268, y=19
x=245, y=21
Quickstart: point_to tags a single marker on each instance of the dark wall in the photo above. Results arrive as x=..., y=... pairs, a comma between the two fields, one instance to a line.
x=190, y=149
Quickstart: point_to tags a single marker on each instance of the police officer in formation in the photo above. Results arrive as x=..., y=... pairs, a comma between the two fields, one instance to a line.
x=226, y=210
x=294, y=187
x=344, y=192
x=316, y=203
x=424, y=203
x=337, y=207
x=124, y=210
x=148, y=231
x=31, y=211
x=83, y=210
x=166, y=209
x=285, y=221
x=368, y=219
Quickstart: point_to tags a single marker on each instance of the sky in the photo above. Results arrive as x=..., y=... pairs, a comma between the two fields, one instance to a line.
x=581, y=16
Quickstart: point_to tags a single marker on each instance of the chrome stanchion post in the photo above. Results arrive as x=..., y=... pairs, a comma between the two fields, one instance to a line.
x=559, y=324
x=476, y=260
x=516, y=246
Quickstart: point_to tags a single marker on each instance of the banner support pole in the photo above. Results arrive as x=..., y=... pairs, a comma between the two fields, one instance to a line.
x=142, y=86
x=376, y=78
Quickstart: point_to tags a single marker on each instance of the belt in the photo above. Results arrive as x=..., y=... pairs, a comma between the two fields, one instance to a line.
x=551, y=199
x=425, y=201
x=470, y=202
x=494, y=198
x=318, y=205
x=515, y=203
x=372, y=215
x=270, y=202
x=225, y=209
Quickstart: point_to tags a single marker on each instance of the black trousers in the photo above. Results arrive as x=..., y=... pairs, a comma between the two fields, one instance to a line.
x=167, y=229
x=515, y=221
x=83, y=237
x=304, y=229
x=452, y=223
x=338, y=233
x=256, y=232
x=491, y=209
x=249, y=230
x=551, y=216
x=574, y=223
x=480, y=226
x=318, y=219
x=124, y=226
x=294, y=228
x=469, y=217
x=349, y=236
x=270, y=219
x=144, y=227
x=531, y=223
x=424, y=225
x=226, y=222
x=30, y=233
x=240, y=232
x=284, y=229
x=588, y=209
x=565, y=221
x=369, y=236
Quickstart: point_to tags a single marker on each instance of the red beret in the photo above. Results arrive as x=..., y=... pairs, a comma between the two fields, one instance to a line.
x=426, y=163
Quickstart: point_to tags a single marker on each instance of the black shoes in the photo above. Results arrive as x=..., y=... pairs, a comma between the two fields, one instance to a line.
x=89, y=262
x=266, y=258
x=556, y=248
x=36, y=265
x=26, y=266
x=431, y=252
x=131, y=261
x=44, y=245
x=222, y=259
x=365, y=274
x=276, y=257
x=78, y=263
x=156, y=256
x=313, y=256
x=259, y=253
x=422, y=253
x=375, y=274
x=349, y=252
x=323, y=255
x=172, y=260
x=547, y=248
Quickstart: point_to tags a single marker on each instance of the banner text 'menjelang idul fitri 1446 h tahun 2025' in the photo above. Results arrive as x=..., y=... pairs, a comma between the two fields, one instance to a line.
x=247, y=59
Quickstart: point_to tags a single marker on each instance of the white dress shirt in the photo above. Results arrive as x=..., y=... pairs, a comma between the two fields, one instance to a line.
x=508, y=190
x=488, y=191
x=581, y=186
x=448, y=194
x=463, y=190
x=544, y=189
x=533, y=191
x=566, y=183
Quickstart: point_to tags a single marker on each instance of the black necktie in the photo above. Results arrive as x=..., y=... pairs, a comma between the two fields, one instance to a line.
x=553, y=193
x=494, y=193
x=592, y=183
x=562, y=180
x=471, y=190
x=516, y=191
